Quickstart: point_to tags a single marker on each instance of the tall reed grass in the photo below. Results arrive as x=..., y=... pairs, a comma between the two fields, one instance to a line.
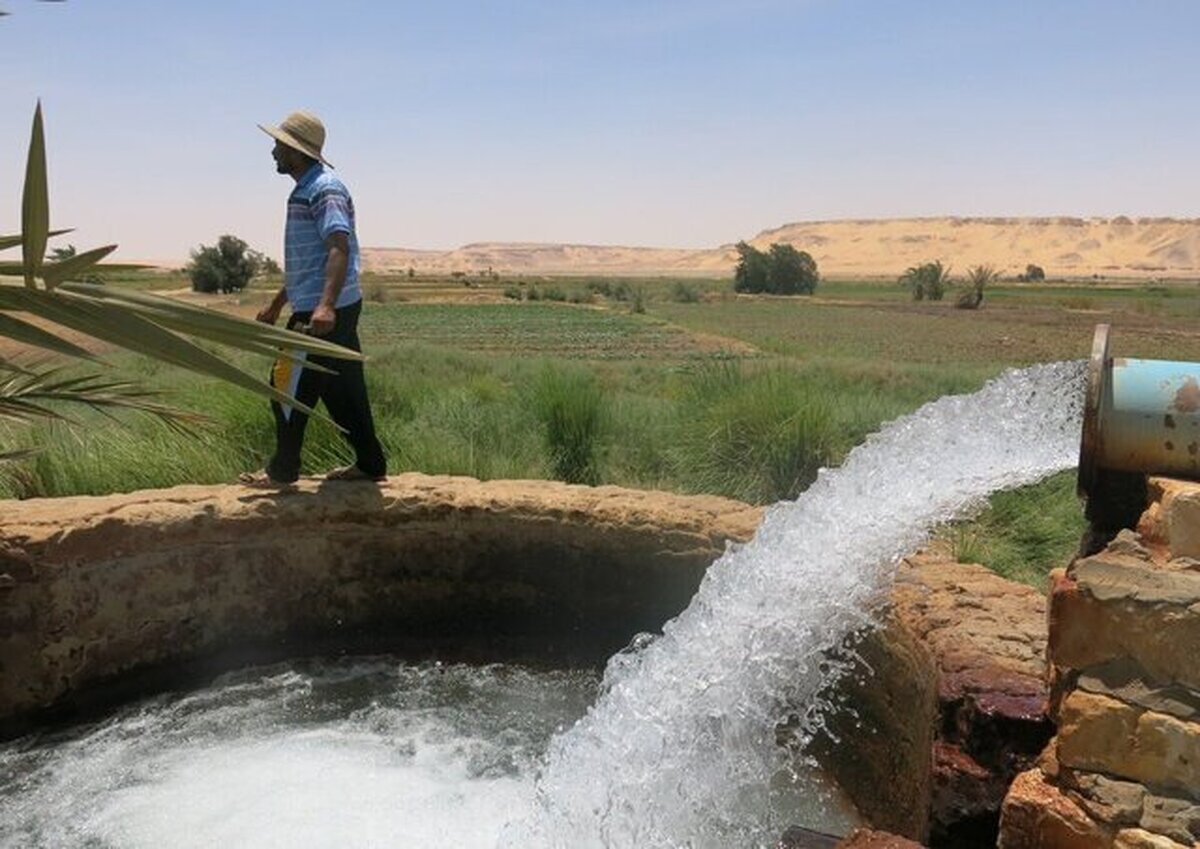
x=759, y=435
x=569, y=404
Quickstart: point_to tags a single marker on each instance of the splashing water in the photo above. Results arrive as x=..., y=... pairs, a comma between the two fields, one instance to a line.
x=365, y=752
x=680, y=748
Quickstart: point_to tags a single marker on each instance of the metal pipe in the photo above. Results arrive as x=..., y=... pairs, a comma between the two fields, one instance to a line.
x=1139, y=416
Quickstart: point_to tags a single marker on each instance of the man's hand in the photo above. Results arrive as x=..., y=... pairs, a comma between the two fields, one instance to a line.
x=268, y=314
x=323, y=318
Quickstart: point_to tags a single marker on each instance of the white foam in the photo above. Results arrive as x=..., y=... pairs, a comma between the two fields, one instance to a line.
x=362, y=754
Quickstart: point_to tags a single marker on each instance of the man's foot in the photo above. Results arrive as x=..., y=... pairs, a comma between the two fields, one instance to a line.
x=262, y=480
x=352, y=473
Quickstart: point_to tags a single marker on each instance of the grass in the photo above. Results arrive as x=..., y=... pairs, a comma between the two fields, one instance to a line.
x=1023, y=533
x=703, y=392
x=539, y=329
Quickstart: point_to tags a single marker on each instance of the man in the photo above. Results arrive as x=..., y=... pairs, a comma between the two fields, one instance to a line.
x=321, y=285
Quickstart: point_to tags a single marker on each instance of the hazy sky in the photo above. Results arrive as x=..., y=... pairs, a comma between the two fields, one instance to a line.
x=685, y=123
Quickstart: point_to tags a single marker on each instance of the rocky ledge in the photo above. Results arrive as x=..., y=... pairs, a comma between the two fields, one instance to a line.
x=96, y=589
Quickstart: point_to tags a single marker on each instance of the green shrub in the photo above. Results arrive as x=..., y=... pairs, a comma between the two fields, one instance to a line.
x=569, y=403
x=757, y=436
x=684, y=294
x=513, y=293
x=226, y=266
x=637, y=303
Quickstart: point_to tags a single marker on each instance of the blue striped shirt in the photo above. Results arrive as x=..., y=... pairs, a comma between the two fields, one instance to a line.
x=318, y=207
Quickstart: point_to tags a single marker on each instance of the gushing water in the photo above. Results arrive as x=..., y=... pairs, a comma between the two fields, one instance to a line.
x=680, y=748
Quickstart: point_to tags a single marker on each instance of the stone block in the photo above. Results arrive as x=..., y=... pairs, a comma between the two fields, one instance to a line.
x=1178, y=819
x=1100, y=734
x=1037, y=815
x=1112, y=802
x=1126, y=681
x=1176, y=521
x=1110, y=607
x=1136, y=838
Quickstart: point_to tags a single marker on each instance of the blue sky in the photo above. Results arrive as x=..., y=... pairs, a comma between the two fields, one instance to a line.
x=670, y=123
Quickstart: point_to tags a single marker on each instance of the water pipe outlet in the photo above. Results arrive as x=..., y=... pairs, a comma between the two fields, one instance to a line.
x=1139, y=416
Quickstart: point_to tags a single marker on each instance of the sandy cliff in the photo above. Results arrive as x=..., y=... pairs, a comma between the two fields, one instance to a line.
x=1111, y=247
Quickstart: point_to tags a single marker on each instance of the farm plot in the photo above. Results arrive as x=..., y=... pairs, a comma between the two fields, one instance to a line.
x=935, y=334
x=534, y=329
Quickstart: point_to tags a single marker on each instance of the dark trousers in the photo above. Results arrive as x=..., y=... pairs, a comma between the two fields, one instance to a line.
x=344, y=395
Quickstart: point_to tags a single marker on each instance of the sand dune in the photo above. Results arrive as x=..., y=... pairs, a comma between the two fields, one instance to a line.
x=1067, y=247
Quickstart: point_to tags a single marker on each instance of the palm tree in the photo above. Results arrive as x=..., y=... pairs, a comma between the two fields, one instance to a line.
x=927, y=282
x=144, y=323
x=978, y=278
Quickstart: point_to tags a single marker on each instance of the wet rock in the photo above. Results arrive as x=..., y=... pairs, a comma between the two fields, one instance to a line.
x=802, y=838
x=863, y=838
x=987, y=637
x=879, y=746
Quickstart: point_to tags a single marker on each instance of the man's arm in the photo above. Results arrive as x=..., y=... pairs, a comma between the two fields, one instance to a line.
x=336, y=267
x=270, y=313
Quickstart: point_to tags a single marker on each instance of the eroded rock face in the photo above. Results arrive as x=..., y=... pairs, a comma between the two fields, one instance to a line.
x=948, y=705
x=987, y=638
x=92, y=588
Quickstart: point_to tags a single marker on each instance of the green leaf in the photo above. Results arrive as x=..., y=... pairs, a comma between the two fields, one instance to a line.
x=122, y=327
x=35, y=202
x=57, y=272
x=25, y=397
x=206, y=323
x=13, y=241
x=22, y=331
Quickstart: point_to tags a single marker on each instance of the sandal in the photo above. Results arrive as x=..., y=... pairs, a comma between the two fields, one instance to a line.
x=351, y=473
x=262, y=480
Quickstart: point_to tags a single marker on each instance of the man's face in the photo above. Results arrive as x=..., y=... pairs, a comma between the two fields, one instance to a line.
x=285, y=157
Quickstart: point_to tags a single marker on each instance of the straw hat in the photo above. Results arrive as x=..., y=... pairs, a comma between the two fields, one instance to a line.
x=302, y=131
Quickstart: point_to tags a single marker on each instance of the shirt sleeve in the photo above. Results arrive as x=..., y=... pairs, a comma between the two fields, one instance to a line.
x=332, y=211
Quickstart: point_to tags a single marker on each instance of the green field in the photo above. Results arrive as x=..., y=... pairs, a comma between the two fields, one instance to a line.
x=669, y=384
